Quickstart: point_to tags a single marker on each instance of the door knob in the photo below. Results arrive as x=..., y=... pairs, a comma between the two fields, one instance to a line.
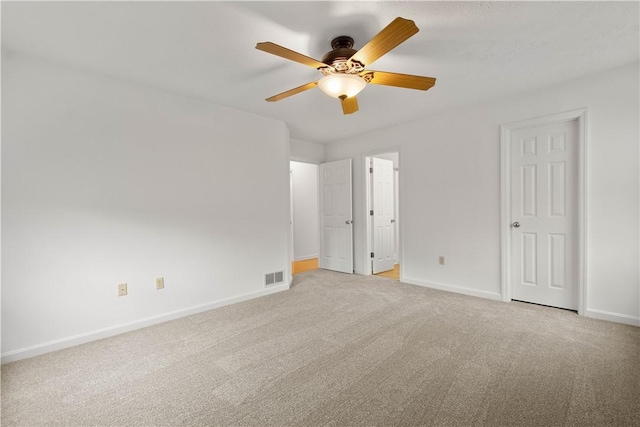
x=348, y=221
x=516, y=224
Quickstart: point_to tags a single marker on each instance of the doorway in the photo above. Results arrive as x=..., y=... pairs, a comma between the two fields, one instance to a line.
x=543, y=215
x=383, y=209
x=304, y=216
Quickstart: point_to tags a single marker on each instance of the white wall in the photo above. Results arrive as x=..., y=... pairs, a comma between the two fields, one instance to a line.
x=304, y=151
x=105, y=182
x=450, y=190
x=305, y=210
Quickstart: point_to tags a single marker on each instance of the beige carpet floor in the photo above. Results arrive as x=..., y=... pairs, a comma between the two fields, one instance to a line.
x=342, y=350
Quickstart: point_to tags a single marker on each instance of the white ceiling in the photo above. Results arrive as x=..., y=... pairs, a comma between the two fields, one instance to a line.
x=478, y=51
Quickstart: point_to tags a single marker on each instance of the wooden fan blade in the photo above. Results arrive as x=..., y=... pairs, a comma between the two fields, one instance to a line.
x=400, y=80
x=289, y=54
x=392, y=35
x=293, y=91
x=349, y=105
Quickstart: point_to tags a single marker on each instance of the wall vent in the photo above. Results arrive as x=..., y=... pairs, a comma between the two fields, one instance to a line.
x=272, y=279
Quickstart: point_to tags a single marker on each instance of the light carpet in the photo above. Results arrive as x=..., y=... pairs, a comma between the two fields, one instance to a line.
x=342, y=350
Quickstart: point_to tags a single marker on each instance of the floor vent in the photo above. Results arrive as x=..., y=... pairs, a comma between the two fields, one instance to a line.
x=274, y=278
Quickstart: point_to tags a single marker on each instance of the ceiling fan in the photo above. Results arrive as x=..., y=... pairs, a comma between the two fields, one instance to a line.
x=344, y=70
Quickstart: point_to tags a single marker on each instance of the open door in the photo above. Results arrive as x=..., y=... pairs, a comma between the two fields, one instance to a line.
x=336, y=230
x=383, y=207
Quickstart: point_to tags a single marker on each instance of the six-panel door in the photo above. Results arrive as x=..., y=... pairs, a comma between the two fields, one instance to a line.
x=336, y=234
x=544, y=201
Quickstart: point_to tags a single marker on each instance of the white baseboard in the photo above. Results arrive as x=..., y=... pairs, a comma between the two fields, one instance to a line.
x=86, y=337
x=613, y=317
x=595, y=314
x=456, y=289
x=306, y=257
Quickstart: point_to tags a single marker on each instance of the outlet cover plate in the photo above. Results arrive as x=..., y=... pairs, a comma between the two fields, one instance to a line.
x=122, y=289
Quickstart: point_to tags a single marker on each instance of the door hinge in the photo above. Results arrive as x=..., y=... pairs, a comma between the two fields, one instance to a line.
x=371, y=212
x=371, y=254
x=370, y=170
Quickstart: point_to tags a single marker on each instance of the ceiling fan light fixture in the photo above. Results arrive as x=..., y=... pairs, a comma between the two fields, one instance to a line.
x=340, y=85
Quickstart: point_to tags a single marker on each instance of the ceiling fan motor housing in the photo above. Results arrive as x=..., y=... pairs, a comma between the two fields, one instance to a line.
x=342, y=50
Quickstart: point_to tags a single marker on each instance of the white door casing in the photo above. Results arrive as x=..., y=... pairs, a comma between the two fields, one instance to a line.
x=291, y=235
x=336, y=230
x=543, y=199
x=383, y=207
x=396, y=224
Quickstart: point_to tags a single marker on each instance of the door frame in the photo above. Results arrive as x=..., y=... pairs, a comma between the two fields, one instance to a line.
x=291, y=227
x=368, y=244
x=505, y=197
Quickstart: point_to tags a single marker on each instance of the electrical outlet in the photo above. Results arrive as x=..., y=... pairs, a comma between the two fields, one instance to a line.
x=160, y=283
x=122, y=289
x=441, y=260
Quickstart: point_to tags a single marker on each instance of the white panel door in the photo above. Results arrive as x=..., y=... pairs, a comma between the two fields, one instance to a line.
x=543, y=215
x=383, y=206
x=336, y=234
